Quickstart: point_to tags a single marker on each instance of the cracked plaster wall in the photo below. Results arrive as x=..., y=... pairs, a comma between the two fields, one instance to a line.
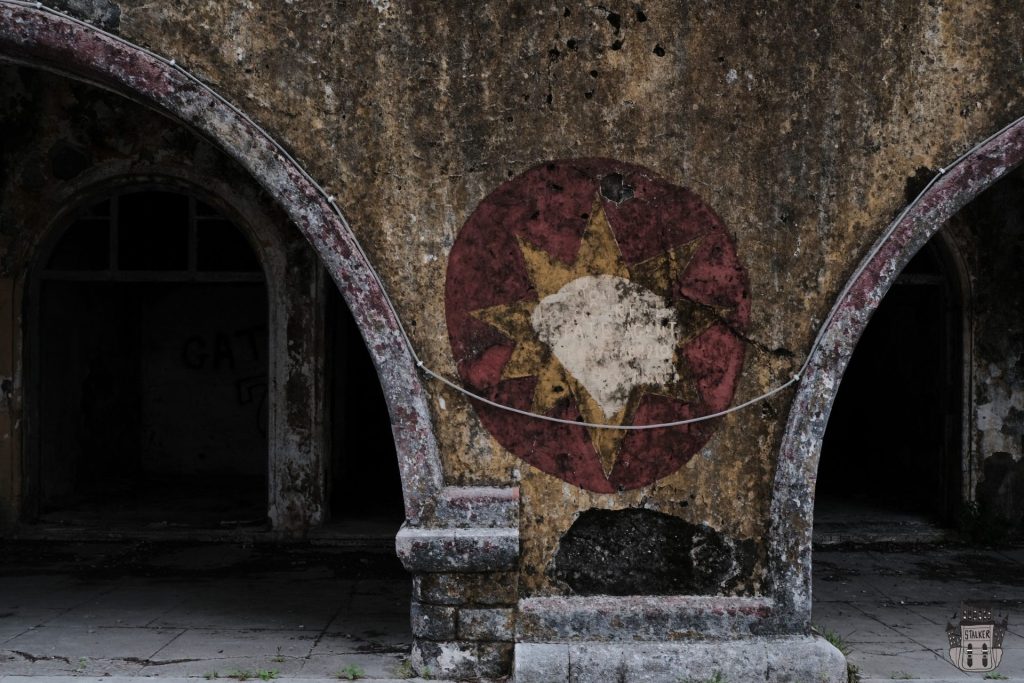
x=798, y=123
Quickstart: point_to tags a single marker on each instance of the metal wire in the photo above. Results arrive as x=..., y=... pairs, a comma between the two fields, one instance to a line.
x=394, y=311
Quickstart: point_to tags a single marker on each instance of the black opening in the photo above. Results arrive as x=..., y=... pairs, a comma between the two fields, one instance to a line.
x=221, y=247
x=85, y=246
x=151, y=384
x=893, y=438
x=153, y=231
x=365, y=486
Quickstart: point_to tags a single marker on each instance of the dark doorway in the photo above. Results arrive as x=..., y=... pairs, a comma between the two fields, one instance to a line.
x=893, y=442
x=148, y=352
x=365, y=486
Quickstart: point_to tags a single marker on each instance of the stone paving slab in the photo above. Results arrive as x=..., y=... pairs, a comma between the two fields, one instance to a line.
x=891, y=608
x=344, y=644
x=904, y=659
x=251, y=606
x=47, y=592
x=191, y=610
x=78, y=643
x=373, y=665
x=214, y=644
x=226, y=668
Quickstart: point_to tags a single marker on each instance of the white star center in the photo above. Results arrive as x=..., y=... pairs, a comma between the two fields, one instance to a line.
x=611, y=334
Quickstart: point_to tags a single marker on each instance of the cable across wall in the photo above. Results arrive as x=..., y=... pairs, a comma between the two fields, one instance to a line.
x=443, y=379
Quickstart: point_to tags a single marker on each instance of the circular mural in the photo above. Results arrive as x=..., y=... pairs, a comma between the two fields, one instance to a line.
x=594, y=291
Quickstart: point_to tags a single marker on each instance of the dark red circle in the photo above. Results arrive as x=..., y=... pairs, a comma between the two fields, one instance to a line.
x=548, y=207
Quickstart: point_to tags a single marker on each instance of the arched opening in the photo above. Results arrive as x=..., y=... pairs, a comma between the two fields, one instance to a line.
x=364, y=485
x=206, y=132
x=792, y=520
x=934, y=390
x=37, y=37
x=148, y=365
x=167, y=350
x=892, y=454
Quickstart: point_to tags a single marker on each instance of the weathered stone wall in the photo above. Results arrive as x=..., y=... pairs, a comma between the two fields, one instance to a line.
x=989, y=233
x=798, y=124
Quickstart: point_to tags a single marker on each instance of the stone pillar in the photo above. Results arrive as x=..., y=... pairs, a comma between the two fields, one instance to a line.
x=464, y=585
x=296, y=392
x=463, y=624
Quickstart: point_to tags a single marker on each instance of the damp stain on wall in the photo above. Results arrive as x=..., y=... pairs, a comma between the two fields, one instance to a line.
x=642, y=552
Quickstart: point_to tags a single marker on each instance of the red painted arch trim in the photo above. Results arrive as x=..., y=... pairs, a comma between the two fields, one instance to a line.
x=40, y=38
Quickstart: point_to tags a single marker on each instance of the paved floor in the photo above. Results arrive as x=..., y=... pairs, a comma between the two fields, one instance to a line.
x=214, y=611
x=841, y=522
x=891, y=607
x=180, y=610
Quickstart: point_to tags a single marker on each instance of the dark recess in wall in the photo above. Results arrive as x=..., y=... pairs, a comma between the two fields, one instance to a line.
x=364, y=481
x=643, y=552
x=893, y=437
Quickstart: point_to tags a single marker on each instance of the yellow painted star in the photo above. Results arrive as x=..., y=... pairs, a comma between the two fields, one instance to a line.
x=598, y=256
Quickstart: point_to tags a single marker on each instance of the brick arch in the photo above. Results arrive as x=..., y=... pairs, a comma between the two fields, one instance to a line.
x=39, y=38
x=792, y=505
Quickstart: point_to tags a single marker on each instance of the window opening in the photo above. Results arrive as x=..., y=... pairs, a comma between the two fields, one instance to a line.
x=154, y=235
x=151, y=361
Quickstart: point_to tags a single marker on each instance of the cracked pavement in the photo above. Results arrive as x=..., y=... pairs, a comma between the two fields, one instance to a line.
x=891, y=606
x=184, y=611
x=194, y=611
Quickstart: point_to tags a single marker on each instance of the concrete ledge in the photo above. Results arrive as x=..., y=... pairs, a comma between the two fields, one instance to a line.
x=638, y=618
x=478, y=506
x=796, y=659
x=454, y=550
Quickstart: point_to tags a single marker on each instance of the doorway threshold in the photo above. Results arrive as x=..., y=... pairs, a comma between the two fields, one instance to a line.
x=839, y=523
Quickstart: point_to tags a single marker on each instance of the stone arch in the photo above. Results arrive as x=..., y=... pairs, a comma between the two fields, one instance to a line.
x=39, y=38
x=792, y=502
